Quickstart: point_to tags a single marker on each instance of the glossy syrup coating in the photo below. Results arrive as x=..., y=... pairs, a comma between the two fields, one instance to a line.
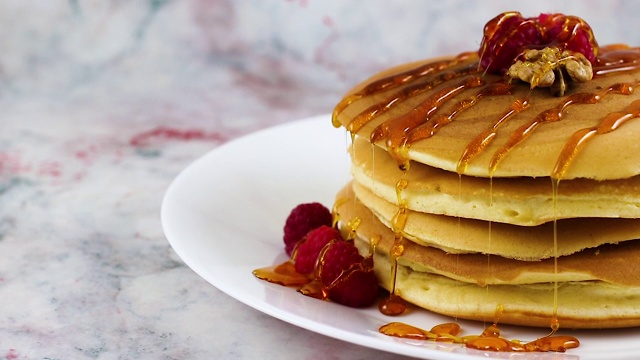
x=419, y=103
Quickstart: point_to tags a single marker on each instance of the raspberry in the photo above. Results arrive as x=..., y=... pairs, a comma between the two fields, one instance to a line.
x=336, y=259
x=302, y=219
x=570, y=33
x=505, y=37
x=306, y=254
x=357, y=288
x=347, y=276
x=509, y=34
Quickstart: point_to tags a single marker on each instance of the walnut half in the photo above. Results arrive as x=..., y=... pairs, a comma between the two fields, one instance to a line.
x=544, y=68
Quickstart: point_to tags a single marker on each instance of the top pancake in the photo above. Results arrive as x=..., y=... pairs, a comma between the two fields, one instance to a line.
x=436, y=110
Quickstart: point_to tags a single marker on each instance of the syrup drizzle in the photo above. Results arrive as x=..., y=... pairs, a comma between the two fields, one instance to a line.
x=394, y=304
x=489, y=340
x=421, y=122
x=431, y=127
x=395, y=130
x=404, y=94
x=397, y=80
x=580, y=138
x=480, y=142
x=401, y=131
x=553, y=115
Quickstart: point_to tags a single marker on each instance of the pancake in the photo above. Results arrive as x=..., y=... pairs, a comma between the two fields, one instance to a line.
x=460, y=235
x=471, y=286
x=526, y=201
x=527, y=133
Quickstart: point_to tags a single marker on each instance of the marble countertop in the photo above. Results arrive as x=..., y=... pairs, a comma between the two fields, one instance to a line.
x=102, y=104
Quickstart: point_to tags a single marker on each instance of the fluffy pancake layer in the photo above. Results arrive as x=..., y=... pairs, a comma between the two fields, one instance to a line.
x=598, y=288
x=460, y=235
x=524, y=201
x=459, y=110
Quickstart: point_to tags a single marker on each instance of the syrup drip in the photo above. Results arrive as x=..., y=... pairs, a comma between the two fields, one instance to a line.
x=352, y=225
x=579, y=139
x=553, y=115
x=477, y=145
x=373, y=244
x=406, y=93
x=431, y=127
x=394, y=81
x=394, y=304
x=395, y=131
x=555, y=324
x=335, y=214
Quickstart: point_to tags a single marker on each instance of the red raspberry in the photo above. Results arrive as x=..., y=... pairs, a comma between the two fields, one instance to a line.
x=305, y=256
x=347, y=276
x=357, y=288
x=337, y=258
x=507, y=36
x=569, y=32
x=302, y=219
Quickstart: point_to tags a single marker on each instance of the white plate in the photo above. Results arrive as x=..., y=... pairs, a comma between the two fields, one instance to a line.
x=224, y=214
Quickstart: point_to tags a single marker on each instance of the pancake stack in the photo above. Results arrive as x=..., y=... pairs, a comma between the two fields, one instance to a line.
x=489, y=194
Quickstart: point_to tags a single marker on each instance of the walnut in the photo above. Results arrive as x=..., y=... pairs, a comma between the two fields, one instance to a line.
x=545, y=68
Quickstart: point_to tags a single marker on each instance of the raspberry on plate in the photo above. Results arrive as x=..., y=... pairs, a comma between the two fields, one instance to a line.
x=302, y=219
x=357, y=288
x=336, y=259
x=347, y=276
x=306, y=254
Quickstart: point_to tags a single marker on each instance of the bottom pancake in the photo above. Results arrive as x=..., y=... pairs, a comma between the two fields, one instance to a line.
x=580, y=304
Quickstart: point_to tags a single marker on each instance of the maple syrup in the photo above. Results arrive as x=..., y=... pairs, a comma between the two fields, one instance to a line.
x=489, y=340
x=394, y=304
x=283, y=274
x=580, y=138
x=397, y=131
x=617, y=58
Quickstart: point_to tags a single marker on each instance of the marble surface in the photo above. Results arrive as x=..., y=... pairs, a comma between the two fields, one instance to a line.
x=103, y=103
